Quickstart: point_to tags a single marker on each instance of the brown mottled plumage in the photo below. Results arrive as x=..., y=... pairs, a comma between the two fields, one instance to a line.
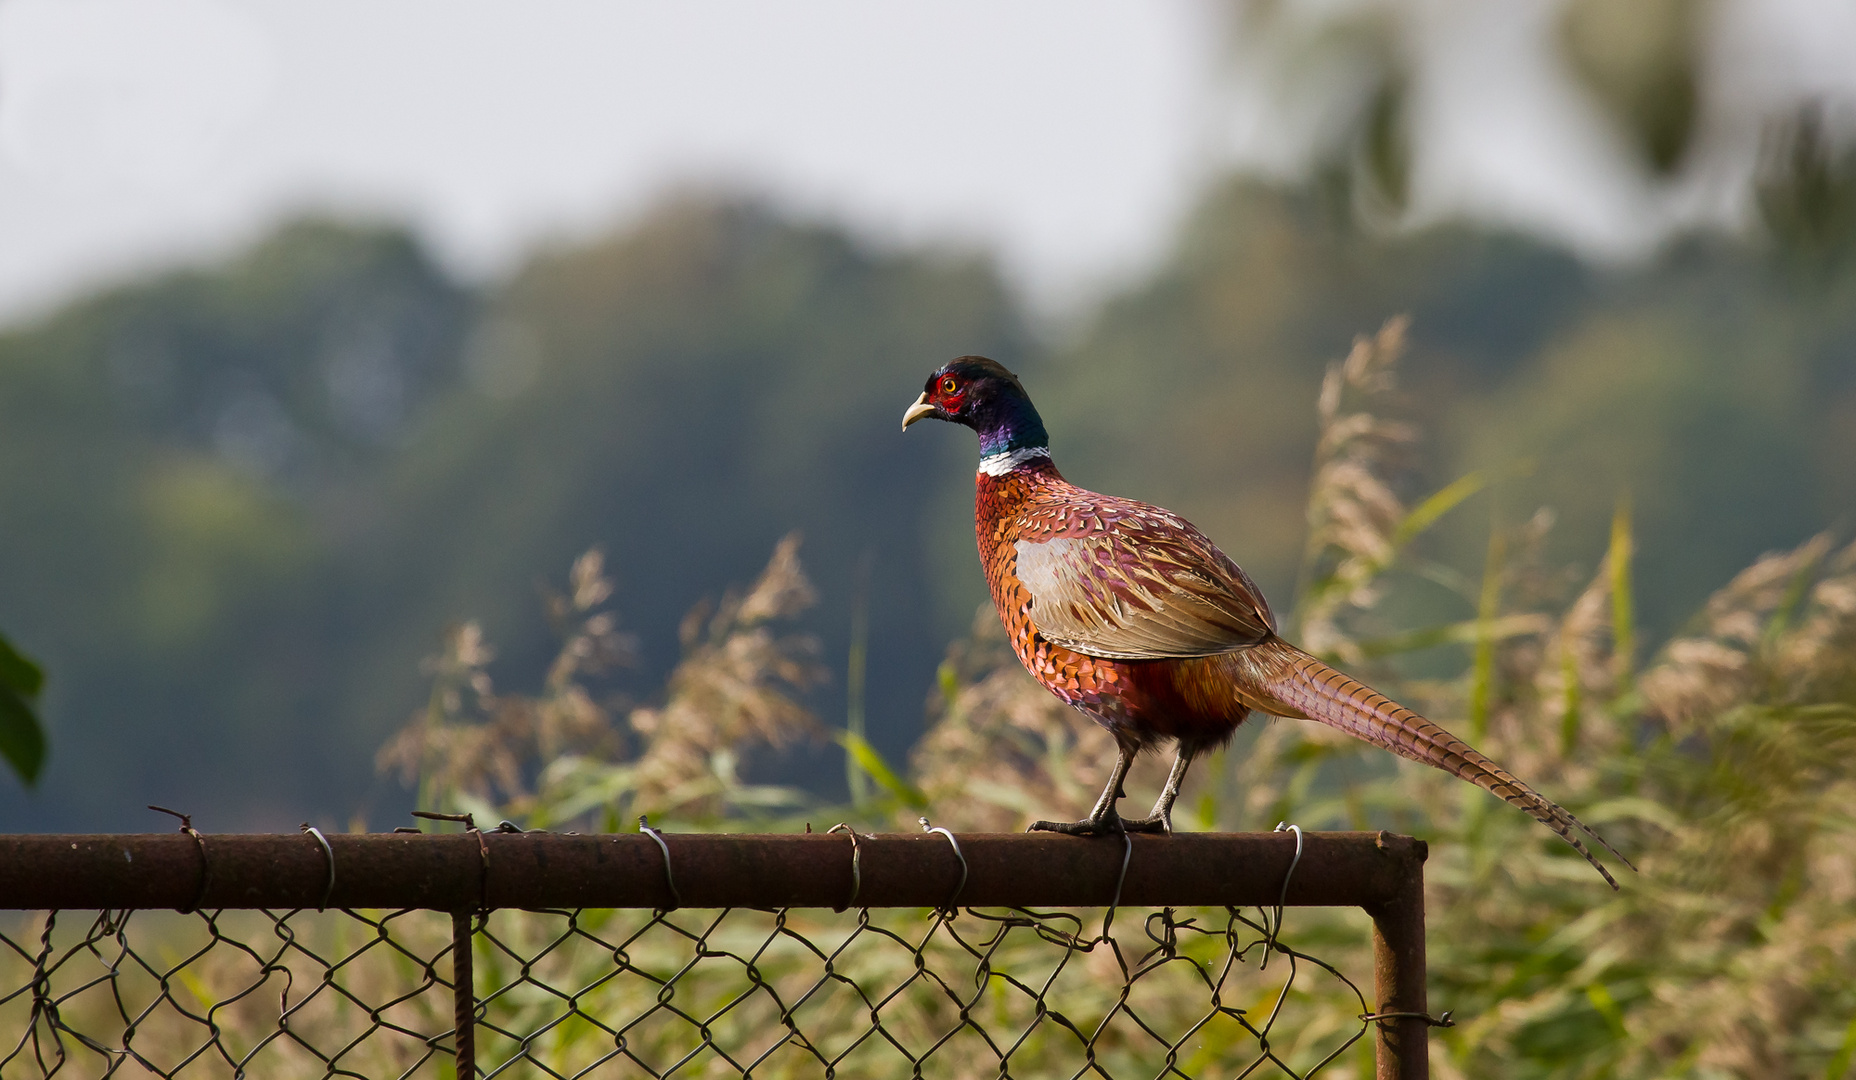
x=1130, y=614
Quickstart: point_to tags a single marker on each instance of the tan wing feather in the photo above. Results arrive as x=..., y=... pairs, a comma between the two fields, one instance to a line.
x=1134, y=594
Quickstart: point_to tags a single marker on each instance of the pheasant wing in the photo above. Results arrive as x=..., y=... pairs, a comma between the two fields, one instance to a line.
x=1139, y=589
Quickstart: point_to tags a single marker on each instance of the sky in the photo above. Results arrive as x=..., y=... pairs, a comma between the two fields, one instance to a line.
x=1068, y=136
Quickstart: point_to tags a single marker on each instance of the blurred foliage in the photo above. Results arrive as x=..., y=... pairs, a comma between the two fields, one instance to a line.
x=1807, y=192
x=1639, y=61
x=1666, y=87
x=22, y=741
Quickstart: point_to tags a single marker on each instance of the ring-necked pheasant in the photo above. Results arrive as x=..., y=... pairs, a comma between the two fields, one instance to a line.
x=1130, y=614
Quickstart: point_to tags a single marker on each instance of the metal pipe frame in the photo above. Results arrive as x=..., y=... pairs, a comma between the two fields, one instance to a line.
x=470, y=872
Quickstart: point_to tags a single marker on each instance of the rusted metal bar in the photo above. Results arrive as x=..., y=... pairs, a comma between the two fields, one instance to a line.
x=1402, y=1033
x=463, y=997
x=449, y=872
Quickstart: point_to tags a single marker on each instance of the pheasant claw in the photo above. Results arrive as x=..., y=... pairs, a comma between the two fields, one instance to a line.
x=1087, y=827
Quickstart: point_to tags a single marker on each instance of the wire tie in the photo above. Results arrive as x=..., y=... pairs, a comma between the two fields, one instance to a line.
x=483, y=870
x=645, y=827
x=206, y=869
x=1127, y=853
x=857, y=877
x=1447, y=1019
x=328, y=851
x=433, y=815
x=1282, y=897
x=483, y=849
x=958, y=854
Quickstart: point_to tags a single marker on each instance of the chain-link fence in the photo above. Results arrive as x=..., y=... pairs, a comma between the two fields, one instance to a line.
x=630, y=984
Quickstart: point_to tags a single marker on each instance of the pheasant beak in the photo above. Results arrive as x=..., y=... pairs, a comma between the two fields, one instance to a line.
x=917, y=411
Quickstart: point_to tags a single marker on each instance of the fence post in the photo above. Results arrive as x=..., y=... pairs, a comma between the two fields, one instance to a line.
x=464, y=997
x=1401, y=1044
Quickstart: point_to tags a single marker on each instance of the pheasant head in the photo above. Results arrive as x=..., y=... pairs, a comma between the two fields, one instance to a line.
x=984, y=396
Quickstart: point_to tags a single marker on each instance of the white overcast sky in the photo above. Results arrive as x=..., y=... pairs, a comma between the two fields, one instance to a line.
x=133, y=134
x=1068, y=135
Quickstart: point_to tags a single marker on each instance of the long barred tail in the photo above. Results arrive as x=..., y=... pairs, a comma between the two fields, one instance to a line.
x=1298, y=685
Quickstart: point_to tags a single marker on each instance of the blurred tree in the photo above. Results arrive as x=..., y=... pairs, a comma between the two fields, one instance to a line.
x=259, y=491
x=1807, y=192
x=310, y=355
x=1640, y=61
x=1666, y=105
x=182, y=450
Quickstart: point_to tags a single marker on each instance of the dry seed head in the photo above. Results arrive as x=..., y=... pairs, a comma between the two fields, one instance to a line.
x=1585, y=635
x=1703, y=673
x=782, y=591
x=1822, y=647
x=1353, y=513
x=735, y=687
x=588, y=581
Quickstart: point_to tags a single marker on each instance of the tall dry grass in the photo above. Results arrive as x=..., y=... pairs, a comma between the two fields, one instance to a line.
x=563, y=756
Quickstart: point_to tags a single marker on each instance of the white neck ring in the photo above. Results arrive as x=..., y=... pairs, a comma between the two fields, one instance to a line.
x=1002, y=463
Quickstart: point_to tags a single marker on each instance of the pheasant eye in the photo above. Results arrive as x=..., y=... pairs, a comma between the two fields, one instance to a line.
x=948, y=386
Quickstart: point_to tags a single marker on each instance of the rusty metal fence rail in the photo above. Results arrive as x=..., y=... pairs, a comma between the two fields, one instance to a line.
x=536, y=954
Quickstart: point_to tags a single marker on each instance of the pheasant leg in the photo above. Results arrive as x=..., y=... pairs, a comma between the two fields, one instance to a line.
x=1103, y=819
x=1161, y=820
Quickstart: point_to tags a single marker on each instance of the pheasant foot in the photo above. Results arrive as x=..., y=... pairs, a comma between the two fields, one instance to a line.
x=1112, y=824
x=1156, y=823
x=1102, y=820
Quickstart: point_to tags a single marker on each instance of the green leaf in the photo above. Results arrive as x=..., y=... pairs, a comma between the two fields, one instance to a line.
x=947, y=678
x=1440, y=502
x=21, y=741
x=1840, y=1061
x=1313, y=590
x=879, y=770
x=1570, y=716
x=1482, y=682
x=19, y=674
x=1795, y=593
x=1607, y=1007
x=1623, y=636
x=1387, y=141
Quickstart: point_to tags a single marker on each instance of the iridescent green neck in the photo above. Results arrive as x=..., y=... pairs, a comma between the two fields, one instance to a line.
x=1011, y=423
